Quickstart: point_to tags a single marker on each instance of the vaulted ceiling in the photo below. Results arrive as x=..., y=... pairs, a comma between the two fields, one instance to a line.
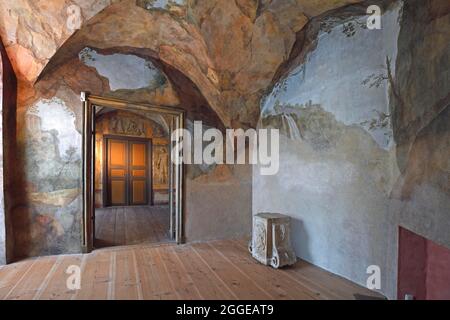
x=230, y=49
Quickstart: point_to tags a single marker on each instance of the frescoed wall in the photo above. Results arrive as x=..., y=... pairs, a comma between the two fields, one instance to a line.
x=364, y=150
x=48, y=219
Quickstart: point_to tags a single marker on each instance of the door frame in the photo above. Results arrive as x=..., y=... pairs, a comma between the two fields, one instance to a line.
x=105, y=171
x=176, y=172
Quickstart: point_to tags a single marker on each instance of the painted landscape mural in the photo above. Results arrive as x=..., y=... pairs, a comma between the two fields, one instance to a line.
x=52, y=159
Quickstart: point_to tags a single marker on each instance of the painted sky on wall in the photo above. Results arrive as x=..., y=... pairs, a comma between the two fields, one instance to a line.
x=123, y=71
x=55, y=115
x=163, y=3
x=351, y=67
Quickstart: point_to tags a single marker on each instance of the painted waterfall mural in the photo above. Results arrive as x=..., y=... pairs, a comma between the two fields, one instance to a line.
x=362, y=59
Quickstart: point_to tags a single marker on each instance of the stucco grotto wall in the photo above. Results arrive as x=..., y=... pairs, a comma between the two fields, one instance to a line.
x=364, y=117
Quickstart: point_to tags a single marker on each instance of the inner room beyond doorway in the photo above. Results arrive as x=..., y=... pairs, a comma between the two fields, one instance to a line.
x=131, y=178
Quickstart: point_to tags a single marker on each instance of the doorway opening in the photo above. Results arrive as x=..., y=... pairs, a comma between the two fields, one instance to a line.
x=132, y=186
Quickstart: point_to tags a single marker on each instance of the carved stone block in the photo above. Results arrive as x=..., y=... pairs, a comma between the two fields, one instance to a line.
x=271, y=242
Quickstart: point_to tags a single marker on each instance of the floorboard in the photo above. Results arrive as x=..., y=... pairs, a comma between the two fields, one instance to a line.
x=29, y=285
x=11, y=275
x=56, y=287
x=209, y=286
x=122, y=226
x=243, y=287
x=276, y=283
x=217, y=270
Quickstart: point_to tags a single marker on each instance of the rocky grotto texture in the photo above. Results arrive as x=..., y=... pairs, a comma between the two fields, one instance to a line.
x=365, y=148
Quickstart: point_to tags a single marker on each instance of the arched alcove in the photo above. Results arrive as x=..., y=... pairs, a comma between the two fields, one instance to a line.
x=138, y=68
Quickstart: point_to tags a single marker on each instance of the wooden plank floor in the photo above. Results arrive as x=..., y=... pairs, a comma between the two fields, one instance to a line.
x=120, y=226
x=219, y=270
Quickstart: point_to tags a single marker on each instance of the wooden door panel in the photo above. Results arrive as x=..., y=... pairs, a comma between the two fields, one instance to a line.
x=138, y=154
x=128, y=172
x=139, y=191
x=118, y=153
x=117, y=172
x=118, y=192
x=139, y=173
